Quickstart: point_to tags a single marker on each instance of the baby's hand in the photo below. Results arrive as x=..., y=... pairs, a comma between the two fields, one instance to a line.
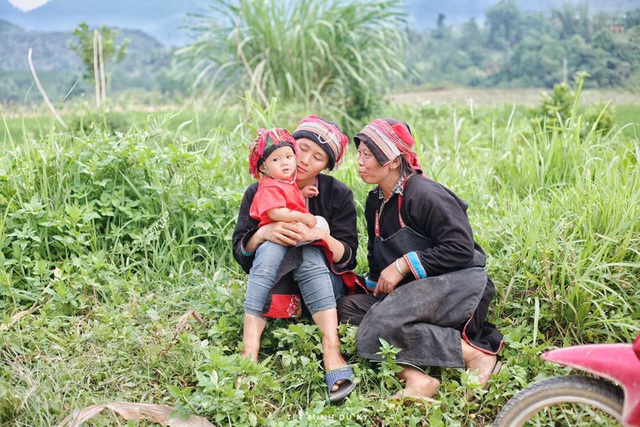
x=309, y=191
x=309, y=220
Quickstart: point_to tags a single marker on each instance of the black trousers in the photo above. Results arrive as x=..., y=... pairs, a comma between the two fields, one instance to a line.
x=482, y=334
x=352, y=308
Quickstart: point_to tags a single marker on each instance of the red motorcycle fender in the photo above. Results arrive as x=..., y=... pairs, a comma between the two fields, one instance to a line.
x=616, y=362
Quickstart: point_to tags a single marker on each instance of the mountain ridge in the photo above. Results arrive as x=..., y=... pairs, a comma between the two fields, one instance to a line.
x=51, y=48
x=60, y=69
x=148, y=63
x=166, y=19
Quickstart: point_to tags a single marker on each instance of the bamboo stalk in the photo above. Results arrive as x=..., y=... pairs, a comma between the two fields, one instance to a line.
x=95, y=67
x=102, y=76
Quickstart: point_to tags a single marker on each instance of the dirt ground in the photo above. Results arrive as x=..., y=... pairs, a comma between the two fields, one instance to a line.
x=526, y=97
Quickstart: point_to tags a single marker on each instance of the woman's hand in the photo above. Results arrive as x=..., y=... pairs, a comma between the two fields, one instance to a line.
x=310, y=234
x=282, y=233
x=388, y=280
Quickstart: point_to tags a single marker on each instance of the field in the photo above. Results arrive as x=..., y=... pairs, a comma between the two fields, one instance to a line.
x=117, y=281
x=497, y=97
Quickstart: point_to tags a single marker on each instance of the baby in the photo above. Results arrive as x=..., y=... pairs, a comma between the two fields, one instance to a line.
x=272, y=160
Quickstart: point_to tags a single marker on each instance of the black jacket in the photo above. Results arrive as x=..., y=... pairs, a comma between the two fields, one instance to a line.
x=334, y=203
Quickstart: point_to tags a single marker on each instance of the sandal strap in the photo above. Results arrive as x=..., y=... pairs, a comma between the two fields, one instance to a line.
x=335, y=375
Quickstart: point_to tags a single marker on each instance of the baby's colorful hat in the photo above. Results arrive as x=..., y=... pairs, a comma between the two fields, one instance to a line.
x=327, y=135
x=267, y=141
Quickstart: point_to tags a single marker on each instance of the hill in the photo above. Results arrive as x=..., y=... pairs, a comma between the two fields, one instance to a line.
x=60, y=69
x=525, y=49
x=424, y=14
x=165, y=19
x=51, y=47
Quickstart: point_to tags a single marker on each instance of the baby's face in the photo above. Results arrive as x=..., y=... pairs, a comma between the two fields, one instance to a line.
x=281, y=163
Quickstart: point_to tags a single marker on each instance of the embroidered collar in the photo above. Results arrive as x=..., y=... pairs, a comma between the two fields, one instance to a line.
x=397, y=189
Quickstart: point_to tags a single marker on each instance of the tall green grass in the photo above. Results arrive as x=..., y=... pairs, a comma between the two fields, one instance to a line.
x=108, y=238
x=555, y=208
x=335, y=54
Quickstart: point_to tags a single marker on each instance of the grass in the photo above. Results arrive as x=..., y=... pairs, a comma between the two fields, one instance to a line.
x=190, y=121
x=336, y=54
x=110, y=238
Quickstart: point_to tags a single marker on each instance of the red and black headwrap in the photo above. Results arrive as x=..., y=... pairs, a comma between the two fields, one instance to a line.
x=267, y=141
x=388, y=139
x=327, y=135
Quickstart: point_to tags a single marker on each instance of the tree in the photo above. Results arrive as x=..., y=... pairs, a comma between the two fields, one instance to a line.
x=95, y=48
x=574, y=20
x=441, y=30
x=503, y=20
x=471, y=39
x=632, y=18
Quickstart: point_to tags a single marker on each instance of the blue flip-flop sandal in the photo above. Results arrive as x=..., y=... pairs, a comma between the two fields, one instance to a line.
x=344, y=374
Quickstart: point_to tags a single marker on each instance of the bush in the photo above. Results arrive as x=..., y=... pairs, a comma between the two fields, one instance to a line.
x=337, y=54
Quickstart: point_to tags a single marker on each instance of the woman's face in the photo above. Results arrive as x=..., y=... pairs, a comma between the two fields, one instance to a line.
x=369, y=169
x=312, y=159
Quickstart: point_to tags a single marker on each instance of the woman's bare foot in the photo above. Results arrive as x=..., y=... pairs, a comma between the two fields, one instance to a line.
x=418, y=385
x=327, y=322
x=332, y=359
x=477, y=361
x=331, y=356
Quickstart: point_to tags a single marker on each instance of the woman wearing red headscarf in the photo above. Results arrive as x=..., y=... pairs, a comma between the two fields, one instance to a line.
x=429, y=291
x=320, y=145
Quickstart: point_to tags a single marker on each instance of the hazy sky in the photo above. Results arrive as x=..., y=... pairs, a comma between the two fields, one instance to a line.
x=166, y=19
x=27, y=5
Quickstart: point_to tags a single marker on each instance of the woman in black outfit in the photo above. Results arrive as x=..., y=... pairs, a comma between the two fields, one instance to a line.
x=429, y=291
x=320, y=145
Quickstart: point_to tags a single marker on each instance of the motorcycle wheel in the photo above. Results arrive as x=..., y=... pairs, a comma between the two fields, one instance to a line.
x=574, y=400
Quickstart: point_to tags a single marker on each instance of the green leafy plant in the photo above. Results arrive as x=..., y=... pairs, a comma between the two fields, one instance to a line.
x=560, y=109
x=84, y=47
x=117, y=281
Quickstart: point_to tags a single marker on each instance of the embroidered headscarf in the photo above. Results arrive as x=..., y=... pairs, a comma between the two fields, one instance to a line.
x=327, y=135
x=267, y=141
x=388, y=139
